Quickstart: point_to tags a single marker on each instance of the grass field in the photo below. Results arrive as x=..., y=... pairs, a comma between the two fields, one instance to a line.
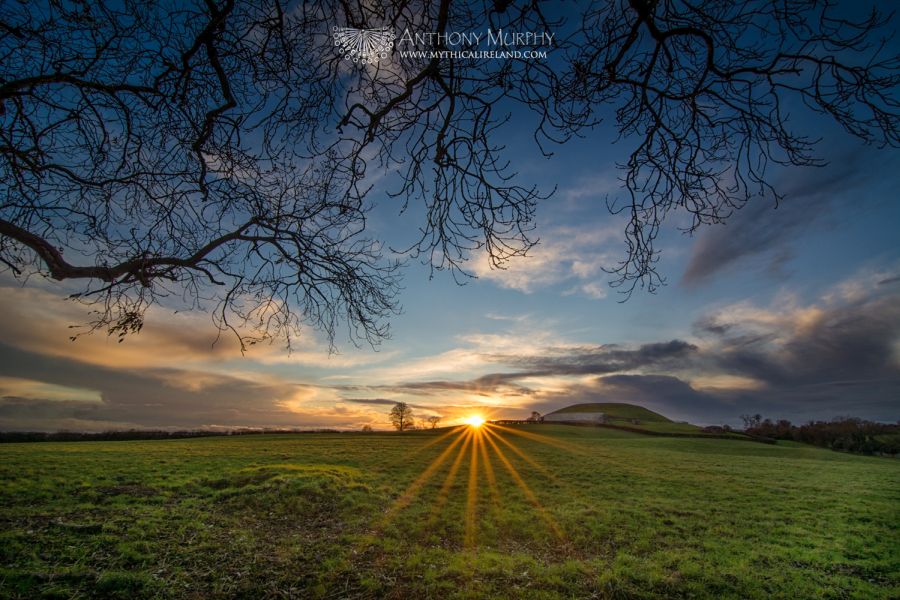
x=663, y=427
x=549, y=511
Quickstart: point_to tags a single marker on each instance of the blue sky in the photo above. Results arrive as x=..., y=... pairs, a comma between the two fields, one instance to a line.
x=793, y=312
x=790, y=312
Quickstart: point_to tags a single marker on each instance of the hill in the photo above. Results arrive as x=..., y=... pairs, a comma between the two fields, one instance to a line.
x=521, y=512
x=628, y=416
x=614, y=411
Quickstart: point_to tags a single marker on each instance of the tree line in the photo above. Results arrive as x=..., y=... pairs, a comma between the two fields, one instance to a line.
x=141, y=434
x=846, y=434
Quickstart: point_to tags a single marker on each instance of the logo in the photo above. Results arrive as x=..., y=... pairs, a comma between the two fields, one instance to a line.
x=364, y=45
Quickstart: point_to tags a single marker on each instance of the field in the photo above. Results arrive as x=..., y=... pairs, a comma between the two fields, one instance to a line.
x=543, y=511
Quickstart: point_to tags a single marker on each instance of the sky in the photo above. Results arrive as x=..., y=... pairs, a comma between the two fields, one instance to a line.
x=792, y=312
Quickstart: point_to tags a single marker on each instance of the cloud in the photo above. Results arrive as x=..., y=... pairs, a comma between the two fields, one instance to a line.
x=761, y=231
x=801, y=345
x=838, y=354
x=594, y=290
x=379, y=401
x=41, y=321
x=565, y=255
x=29, y=388
x=586, y=192
x=554, y=368
x=159, y=398
x=594, y=360
x=492, y=384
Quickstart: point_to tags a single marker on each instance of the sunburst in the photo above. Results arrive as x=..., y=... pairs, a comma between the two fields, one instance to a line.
x=477, y=443
x=475, y=421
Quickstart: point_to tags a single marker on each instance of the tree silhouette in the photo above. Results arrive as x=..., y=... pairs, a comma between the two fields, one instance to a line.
x=402, y=417
x=751, y=421
x=434, y=420
x=214, y=154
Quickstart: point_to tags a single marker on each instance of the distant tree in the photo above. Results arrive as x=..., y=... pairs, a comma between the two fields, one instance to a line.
x=402, y=417
x=367, y=429
x=434, y=420
x=535, y=416
x=847, y=434
x=751, y=421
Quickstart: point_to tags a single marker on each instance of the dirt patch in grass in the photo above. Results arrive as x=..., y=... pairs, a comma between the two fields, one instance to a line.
x=135, y=491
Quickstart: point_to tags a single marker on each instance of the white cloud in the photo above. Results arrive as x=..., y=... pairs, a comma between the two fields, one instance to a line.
x=41, y=321
x=565, y=255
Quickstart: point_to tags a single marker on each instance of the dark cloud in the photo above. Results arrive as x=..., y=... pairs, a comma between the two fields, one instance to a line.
x=38, y=414
x=384, y=401
x=586, y=360
x=596, y=360
x=854, y=342
x=839, y=356
x=708, y=324
x=148, y=398
x=762, y=231
x=665, y=394
x=814, y=363
x=486, y=385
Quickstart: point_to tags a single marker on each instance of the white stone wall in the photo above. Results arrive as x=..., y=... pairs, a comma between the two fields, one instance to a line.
x=576, y=416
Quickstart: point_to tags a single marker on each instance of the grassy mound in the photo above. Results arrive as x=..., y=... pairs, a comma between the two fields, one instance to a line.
x=616, y=411
x=637, y=418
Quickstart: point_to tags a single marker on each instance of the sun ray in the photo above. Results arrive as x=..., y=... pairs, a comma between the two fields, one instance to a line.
x=412, y=490
x=521, y=453
x=529, y=494
x=477, y=443
x=595, y=453
x=489, y=472
x=444, y=492
x=430, y=443
x=542, y=439
x=472, y=491
x=570, y=489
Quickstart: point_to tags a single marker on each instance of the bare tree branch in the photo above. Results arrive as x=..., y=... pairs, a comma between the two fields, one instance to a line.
x=216, y=154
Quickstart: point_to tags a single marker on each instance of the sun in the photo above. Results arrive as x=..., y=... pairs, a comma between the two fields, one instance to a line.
x=475, y=421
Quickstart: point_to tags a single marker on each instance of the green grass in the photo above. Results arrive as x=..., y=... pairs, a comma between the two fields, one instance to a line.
x=660, y=426
x=579, y=512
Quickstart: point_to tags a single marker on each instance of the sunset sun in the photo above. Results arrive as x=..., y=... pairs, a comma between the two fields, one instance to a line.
x=475, y=421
